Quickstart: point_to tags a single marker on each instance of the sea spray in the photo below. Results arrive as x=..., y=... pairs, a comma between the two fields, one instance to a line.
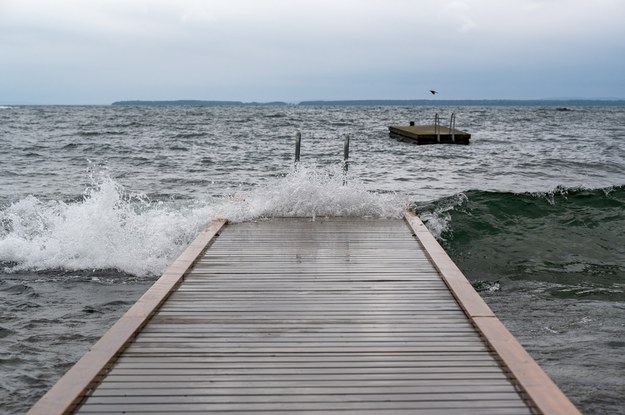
x=437, y=215
x=108, y=228
x=310, y=191
x=111, y=228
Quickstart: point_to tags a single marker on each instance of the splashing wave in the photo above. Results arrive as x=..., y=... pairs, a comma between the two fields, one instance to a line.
x=110, y=228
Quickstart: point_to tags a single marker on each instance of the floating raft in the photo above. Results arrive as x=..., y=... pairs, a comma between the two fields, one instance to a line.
x=429, y=134
x=301, y=316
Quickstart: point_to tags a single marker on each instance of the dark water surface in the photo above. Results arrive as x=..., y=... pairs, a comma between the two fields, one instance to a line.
x=95, y=201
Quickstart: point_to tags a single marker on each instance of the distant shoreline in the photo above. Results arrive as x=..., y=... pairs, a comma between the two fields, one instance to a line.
x=197, y=103
x=387, y=102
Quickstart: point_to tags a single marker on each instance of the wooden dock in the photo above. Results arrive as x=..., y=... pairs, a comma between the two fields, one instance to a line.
x=429, y=134
x=338, y=315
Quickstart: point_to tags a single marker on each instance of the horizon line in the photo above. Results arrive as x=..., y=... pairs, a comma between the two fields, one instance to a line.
x=380, y=101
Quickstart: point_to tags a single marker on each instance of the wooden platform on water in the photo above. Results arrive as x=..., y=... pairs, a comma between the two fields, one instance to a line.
x=429, y=134
x=339, y=315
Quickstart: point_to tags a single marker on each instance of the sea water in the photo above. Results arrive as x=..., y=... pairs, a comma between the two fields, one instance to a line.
x=96, y=201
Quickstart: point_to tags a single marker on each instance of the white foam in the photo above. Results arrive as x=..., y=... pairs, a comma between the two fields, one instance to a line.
x=309, y=191
x=437, y=221
x=113, y=229
x=107, y=229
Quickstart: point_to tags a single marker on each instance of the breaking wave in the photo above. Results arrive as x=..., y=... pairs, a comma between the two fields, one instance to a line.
x=111, y=228
x=571, y=238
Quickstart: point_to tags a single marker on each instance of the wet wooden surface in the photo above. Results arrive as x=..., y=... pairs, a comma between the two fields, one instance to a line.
x=302, y=316
x=339, y=315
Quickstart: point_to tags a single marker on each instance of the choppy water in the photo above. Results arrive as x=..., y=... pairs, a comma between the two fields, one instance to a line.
x=95, y=201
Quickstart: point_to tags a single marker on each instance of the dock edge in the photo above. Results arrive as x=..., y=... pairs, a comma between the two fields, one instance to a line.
x=67, y=393
x=526, y=373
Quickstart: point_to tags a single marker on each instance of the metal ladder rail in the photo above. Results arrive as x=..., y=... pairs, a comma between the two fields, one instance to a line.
x=452, y=126
x=298, y=146
x=345, y=158
x=346, y=153
x=437, y=127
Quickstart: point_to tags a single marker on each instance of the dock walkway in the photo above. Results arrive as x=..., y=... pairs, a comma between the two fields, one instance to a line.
x=338, y=315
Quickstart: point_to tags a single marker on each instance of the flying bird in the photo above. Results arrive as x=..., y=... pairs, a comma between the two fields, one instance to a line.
x=433, y=92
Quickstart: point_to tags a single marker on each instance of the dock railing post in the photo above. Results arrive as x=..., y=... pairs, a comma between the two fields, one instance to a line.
x=346, y=153
x=437, y=122
x=452, y=125
x=345, y=158
x=298, y=143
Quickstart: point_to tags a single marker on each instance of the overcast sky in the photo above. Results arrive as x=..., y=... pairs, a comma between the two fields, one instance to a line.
x=100, y=51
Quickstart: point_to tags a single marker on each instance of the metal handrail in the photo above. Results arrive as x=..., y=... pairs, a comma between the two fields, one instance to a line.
x=452, y=126
x=346, y=153
x=345, y=158
x=437, y=123
x=298, y=145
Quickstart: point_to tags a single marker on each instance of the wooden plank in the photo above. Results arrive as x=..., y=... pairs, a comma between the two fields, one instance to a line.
x=270, y=364
x=498, y=399
x=350, y=377
x=327, y=407
x=158, y=370
x=173, y=390
x=434, y=319
x=307, y=300
x=250, y=386
x=445, y=411
x=418, y=326
x=182, y=336
x=161, y=410
x=175, y=349
x=319, y=359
